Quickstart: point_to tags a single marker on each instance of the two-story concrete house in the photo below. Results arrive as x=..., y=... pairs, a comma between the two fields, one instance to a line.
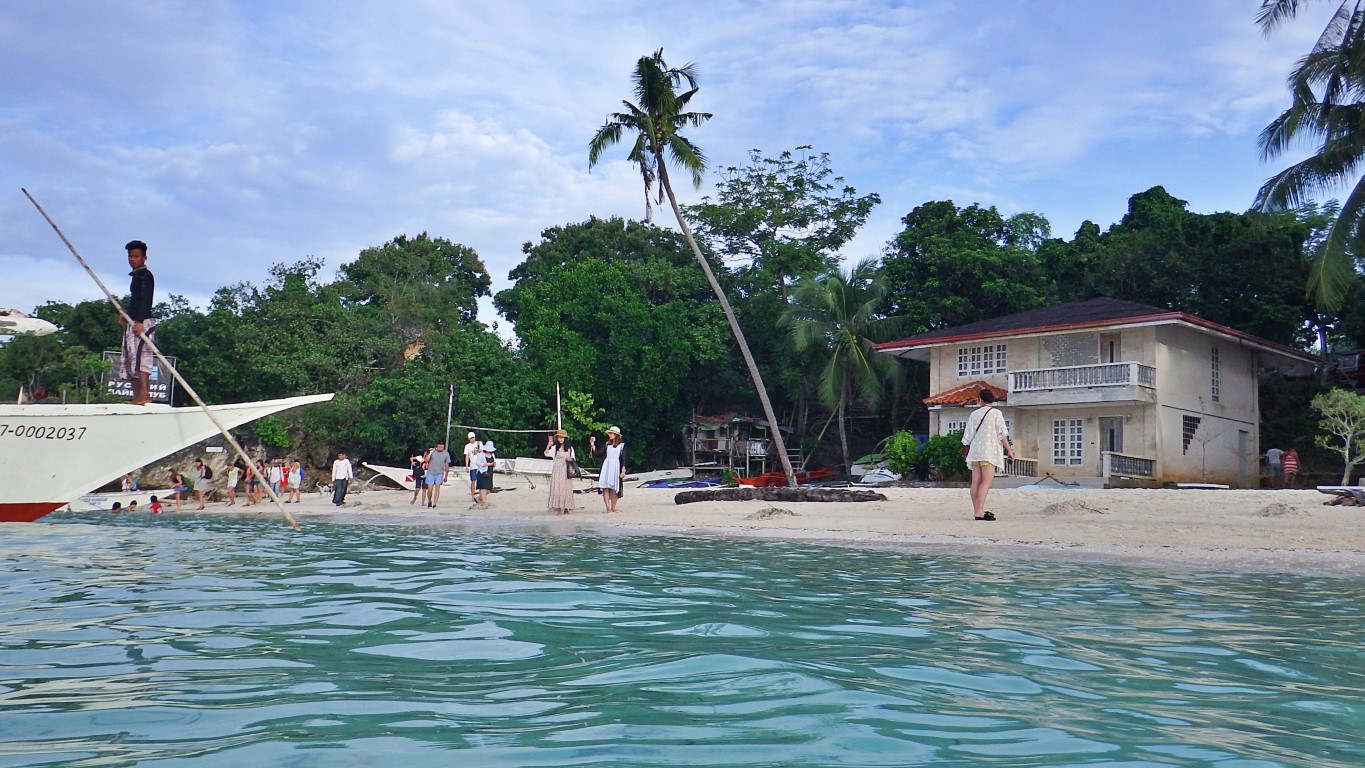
x=1106, y=388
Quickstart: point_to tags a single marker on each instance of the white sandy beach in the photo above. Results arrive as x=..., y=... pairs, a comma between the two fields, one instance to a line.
x=1288, y=531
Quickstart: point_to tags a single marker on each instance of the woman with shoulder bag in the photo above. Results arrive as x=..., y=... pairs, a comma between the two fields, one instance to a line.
x=561, y=473
x=985, y=443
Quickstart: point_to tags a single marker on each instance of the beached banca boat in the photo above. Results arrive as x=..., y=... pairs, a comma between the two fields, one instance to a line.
x=53, y=454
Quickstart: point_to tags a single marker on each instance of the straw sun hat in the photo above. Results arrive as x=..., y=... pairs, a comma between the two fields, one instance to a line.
x=561, y=433
x=614, y=431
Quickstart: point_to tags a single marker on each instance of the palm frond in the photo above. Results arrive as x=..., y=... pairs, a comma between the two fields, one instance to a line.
x=1333, y=271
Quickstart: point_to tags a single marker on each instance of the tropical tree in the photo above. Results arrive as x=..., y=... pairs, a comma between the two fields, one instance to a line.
x=836, y=316
x=656, y=118
x=1327, y=108
x=786, y=216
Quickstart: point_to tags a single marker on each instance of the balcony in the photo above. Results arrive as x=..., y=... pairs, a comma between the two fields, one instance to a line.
x=1103, y=383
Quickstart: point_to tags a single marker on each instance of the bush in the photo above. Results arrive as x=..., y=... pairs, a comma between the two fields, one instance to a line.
x=905, y=456
x=944, y=453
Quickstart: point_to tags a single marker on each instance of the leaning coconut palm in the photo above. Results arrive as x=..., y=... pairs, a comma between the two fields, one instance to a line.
x=1327, y=111
x=836, y=316
x=656, y=118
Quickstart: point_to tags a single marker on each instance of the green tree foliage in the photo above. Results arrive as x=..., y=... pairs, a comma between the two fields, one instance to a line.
x=1240, y=270
x=1325, y=112
x=617, y=309
x=944, y=453
x=906, y=456
x=951, y=266
x=1343, y=419
x=780, y=217
x=421, y=284
x=835, y=317
x=69, y=362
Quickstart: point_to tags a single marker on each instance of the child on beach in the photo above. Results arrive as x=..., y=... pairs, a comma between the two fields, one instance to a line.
x=117, y=508
x=155, y=506
x=132, y=506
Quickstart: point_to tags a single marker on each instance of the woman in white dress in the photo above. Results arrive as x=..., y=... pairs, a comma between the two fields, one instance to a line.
x=987, y=441
x=561, y=485
x=613, y=467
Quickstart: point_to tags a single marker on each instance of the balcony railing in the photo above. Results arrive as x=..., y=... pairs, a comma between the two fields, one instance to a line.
x=1019, y=467
x=1128, y=466
x=1102, y=375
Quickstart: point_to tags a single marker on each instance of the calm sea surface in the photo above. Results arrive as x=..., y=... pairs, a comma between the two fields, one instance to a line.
x=221, y=642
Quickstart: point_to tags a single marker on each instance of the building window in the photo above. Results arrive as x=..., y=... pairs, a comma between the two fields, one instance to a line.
x=955, y=426
x=1217, y=380
x=978, y=361
x=1189, y=427
x=1068, y=442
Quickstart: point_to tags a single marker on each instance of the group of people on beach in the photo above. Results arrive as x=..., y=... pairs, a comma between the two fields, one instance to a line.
x=429, y=471
x=565, y=468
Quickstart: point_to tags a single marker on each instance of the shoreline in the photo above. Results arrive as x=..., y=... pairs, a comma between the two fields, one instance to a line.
x=1235, y=531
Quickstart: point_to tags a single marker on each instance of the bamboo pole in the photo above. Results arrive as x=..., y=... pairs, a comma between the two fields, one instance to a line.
x=251, y=466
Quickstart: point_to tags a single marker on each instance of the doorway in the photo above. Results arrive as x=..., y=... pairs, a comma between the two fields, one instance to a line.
x=1111, y=437
x=1111, y=351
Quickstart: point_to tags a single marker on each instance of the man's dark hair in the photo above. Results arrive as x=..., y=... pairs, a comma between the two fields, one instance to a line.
x=136, y=245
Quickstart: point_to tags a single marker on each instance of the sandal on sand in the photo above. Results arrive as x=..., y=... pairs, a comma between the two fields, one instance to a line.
x=986, y=516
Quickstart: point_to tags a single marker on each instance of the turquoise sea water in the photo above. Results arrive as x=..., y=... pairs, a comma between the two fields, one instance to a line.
x=222, y=642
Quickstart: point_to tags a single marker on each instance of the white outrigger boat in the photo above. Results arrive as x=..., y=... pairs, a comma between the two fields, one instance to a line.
x=52, y=454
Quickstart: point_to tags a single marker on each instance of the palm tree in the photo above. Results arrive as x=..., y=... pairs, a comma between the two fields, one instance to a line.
x=837, y=315
x=656, y=118
x=1327, y=87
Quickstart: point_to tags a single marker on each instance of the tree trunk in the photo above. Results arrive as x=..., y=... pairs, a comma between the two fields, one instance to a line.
x=778, y=494
x=843, y=426
x=744, y=351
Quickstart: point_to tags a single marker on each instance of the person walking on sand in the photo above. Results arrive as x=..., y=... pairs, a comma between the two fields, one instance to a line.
x=234, y=476
x=177, y=486
x=561, y=484
x=417, y=469
x=201, y=475
x=137, y=359
x=296, y=482
x=613, y=472
x=1291, y=467
x=1274, y=465
x=987, y=442
x=342, y=474
x=438, y=463
x=472, y=451
x=483, y=467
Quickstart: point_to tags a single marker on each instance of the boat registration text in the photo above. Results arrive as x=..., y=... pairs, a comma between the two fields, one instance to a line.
x=39, y=432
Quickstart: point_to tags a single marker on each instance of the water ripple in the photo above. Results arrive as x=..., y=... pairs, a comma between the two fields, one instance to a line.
x=232, y=642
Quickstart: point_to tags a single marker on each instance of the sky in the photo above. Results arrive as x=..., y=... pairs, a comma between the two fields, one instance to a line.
x=231, y=135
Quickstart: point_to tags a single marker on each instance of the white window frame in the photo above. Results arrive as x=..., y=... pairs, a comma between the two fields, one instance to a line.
x=955, y=426
x=1216, y=376
x=982, y=360
x=1068, y=442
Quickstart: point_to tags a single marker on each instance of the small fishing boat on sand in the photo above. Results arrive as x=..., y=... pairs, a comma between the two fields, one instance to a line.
x=52, y=454
x=777, y=479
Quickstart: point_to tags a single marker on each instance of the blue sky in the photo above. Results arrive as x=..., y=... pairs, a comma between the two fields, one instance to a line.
x=233, y=135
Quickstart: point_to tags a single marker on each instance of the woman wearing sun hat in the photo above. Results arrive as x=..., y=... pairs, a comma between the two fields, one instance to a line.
x=561, y=485
x=613, y=467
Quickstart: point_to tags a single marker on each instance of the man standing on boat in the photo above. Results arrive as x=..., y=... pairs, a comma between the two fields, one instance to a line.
x=342, y=474
x=136, y=363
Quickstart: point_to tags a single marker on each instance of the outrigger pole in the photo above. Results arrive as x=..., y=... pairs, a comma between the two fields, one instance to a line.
x=251, y=466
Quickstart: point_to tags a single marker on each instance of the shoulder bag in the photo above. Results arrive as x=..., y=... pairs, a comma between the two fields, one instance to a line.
x=968, y=447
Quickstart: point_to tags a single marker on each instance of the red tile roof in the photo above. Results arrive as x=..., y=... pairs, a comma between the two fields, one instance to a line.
x=965, y=394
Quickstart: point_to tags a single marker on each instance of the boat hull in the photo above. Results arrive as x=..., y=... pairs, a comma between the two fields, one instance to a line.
x=52, y=454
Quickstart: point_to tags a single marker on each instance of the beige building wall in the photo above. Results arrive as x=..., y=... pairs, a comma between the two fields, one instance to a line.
x=1222, y=449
